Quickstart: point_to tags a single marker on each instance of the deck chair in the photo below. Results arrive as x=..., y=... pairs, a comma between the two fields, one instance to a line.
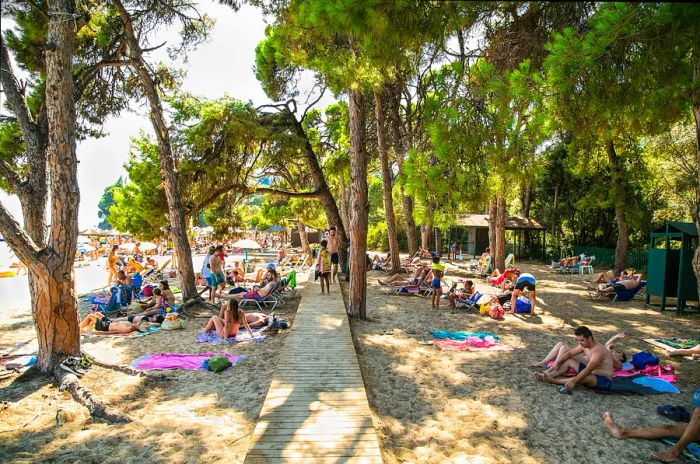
x=628, y=295
x=510, y=261
x=108, y=304
x=469, y=303
x=268, y=300
x=154, y=275
x=405, y=290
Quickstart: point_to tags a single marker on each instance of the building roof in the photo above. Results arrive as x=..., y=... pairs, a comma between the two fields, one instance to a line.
x=687, y=228
x=512, y=222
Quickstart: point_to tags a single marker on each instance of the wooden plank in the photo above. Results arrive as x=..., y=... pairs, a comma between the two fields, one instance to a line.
x=313, y=460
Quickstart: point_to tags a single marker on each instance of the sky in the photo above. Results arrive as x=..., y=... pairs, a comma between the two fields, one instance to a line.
x=223, y=65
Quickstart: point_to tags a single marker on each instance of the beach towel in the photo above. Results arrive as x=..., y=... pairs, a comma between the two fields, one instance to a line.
x=691, y=452
x=628, y=386
x=471, y=344
x=191, y=362
x=242, y=336
x=462, y=335
x=663, y=372
x=151, y=329
x=679, y=343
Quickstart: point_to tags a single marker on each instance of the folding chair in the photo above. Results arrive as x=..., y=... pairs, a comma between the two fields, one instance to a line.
x=269, y=299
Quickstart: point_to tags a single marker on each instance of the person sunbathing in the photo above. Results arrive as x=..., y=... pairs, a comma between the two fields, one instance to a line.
x=502, y=280
x=694, y=352
x=103, y=324
x=153, y=311
x=610, y=289
x=561, y=348
x=256, y=293
x=398, y=280
x=228, y=322
x=685, y=433
x=150, y=263
x=467, y=291
x=596, y=373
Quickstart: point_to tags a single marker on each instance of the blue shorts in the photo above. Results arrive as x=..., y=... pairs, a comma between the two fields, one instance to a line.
x=601, y=382
x=215, y=279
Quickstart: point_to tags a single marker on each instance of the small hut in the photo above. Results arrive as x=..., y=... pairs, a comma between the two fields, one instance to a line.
x=525, y=237
x=670, y=265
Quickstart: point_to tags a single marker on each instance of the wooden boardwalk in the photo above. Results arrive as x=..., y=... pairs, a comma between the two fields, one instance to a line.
x=316, y=410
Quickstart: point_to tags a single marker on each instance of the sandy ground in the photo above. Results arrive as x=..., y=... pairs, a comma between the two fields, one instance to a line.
x=434, y=406
x=196, y=417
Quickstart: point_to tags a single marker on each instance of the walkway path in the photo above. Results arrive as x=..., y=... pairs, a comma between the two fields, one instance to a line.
x=316, y=410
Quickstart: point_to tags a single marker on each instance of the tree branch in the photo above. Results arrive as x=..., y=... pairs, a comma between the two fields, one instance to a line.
x=287, y=193
x=20, y=242
x=10, y=175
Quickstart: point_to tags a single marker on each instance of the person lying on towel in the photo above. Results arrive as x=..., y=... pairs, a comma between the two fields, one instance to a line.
x=399, y=280
x=596, y=373
x=105, y=325
x=694, y=352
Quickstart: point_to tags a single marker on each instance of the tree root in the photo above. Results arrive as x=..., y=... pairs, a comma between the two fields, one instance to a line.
x=69, y=382
x=130, y=370
x=198, y=309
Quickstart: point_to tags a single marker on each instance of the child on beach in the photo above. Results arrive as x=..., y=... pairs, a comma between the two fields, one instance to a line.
x=324, y=266
x=465, y=293
x=438, y=271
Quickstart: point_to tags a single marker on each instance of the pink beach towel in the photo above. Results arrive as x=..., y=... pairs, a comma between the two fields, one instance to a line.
x=177, y=361
x=471, y=344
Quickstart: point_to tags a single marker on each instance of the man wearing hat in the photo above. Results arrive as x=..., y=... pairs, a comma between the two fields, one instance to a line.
x=206, y=272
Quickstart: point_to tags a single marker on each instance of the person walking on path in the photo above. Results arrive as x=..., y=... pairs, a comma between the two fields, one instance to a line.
x=333, y=247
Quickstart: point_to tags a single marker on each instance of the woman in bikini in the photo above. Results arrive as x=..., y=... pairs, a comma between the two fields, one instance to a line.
x=228, y=322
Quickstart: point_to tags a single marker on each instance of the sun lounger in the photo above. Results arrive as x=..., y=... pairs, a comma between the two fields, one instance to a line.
x=268, y=300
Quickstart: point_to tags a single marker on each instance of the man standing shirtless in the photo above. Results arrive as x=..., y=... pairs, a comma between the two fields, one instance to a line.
x=333, y=247
x=217, y=280
x=597, y=374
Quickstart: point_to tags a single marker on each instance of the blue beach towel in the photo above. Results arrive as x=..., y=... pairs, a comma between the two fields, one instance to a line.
x=691, y=452
x=242, y=336
x=462, y=335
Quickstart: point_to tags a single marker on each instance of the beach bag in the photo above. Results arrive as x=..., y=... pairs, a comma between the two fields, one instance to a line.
x=216, y=363
x=148, y=290
x=644, y=359
x=173, y=321
x=136, y=282
x=523, y=306
x=484, y=309
x=496, y=311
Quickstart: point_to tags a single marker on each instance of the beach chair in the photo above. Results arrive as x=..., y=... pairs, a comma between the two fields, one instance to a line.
x=154, y=275
x=510, y=261
x=268, y=300
x=469, y=303
x=405, y=290
x=587, y=268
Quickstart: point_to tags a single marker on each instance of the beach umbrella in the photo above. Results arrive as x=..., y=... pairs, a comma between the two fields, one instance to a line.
x=247, y=244
x=274, y=228
x=148, y=246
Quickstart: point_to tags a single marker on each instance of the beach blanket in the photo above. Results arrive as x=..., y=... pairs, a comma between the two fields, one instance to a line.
x=151, y=329
x=471, y=344
x=192, y=362
x=462, y=335
x=662, y=372
x=691, y=452
x=679, y=343
x=243, y=336
x=634, y=385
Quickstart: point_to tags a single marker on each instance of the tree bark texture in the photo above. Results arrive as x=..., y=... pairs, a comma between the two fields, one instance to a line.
x=499, y=256
x=359, y=208
x=53, y=281
x=399, y=149
x=525, y=203
x=618, y=192
x=344, y=202
x=176, y=213
x=438, y=241
x=492, y=225
x=303, y=237
x=387, y=184
x=696, y=119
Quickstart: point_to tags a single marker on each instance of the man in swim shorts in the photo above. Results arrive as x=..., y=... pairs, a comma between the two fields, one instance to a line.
x=523, y=281
x=333, y=247
x=620, y=285
x=217, y=279
x=596, y=374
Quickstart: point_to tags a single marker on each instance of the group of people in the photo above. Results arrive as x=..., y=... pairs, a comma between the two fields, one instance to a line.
x=136, y=262
x=592, y=365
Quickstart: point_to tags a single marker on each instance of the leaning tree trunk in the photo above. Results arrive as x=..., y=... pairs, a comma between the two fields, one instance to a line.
x=359, y=208
x=618, y=193
x=492, y=226
x=387, y=185
x=304, y=238
x=499, y=256
x=176, y=213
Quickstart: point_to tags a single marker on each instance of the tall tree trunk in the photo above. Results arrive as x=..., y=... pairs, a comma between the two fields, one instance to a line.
x=492, y=225
x=176, y=213
x=499, y=256
x=359, y=210
x=425, y=230
x=696, y=118
x=525, y=202
x=387, y=184
x=301, y=228
x=344, y=202
x=438, y=240
x=618, y=192
x=399, y=150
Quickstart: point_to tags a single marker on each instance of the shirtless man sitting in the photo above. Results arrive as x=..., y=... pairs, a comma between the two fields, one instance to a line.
x=620, y=286
x=596, y=374
x=619, y=357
